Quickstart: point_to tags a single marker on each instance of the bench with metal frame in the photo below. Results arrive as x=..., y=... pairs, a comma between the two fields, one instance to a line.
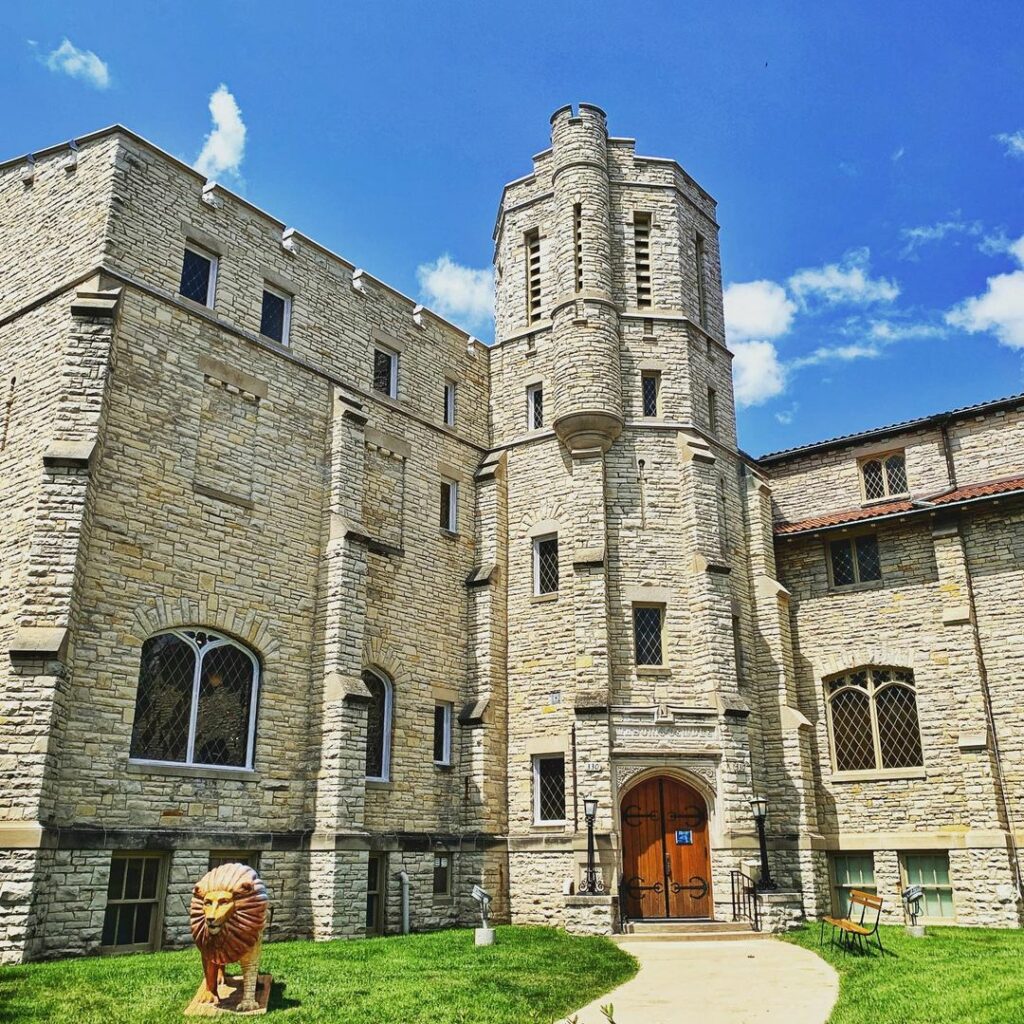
x=861, y=924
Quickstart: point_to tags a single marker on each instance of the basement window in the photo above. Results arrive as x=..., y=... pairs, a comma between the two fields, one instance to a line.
x=442, y=874
x=275, y=319
x=642, y=258
x=198, y=276
x=135, y=889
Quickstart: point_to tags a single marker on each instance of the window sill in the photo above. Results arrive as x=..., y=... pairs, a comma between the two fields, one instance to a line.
x=544, y=598
x=870, y=502
x=443, y=766
x=450, y=534
x=880, y=775
x=853, y=588
x=275, y=341
x=193, y=771
x=548, y=826
x=192, y=304
x=383, y=784
x=653, y=670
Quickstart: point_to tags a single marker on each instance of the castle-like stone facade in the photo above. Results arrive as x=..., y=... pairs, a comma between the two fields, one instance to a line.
x=294, y=571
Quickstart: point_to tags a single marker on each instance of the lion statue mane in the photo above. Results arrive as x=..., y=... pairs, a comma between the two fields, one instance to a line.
x=228, y=914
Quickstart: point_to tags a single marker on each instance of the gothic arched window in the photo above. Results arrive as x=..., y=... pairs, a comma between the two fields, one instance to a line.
x=872, y=716
x=378, y=725
x=196, y=701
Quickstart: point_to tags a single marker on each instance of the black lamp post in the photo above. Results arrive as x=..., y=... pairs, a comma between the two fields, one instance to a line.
x=592, y=884
x=759, y=805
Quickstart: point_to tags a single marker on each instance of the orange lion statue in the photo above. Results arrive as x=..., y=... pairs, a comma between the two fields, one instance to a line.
x=228, y=914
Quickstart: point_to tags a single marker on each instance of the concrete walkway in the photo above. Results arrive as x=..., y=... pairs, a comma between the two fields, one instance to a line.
x=717, y=982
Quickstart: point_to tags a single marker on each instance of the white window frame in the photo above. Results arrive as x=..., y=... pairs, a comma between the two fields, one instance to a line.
x=450, y=388
x=211, y=285
x=286, y=327
x=537, y=541
x=446, y=759
x=389, y=707
x=531, y=409
x=537, y=819
x=216, y=640
x=392, y=391
x=453, y=505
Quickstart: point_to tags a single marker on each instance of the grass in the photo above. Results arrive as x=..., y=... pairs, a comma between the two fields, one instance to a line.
x=953, y=975
x=530, y=975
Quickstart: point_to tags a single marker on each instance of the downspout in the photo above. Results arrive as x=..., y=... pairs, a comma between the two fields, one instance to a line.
x=403, y=877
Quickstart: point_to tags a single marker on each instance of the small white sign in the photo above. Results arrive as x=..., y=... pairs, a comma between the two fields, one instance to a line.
x=593, y=766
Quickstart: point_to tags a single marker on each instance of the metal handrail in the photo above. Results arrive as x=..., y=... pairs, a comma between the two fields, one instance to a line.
x=746, y=900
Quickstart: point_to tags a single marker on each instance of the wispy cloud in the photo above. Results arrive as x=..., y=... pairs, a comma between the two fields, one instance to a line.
x=757, y=371
x=1013, y=142
x=999, y=310
x=224, y=147
x=835, y=353
x=897, y=154
x=463, y=294
x=924, y=234
x=786, y=416
x=69, y=60
x=847, y=282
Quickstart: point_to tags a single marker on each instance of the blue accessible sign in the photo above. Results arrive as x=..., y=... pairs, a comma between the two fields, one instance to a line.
x=684, y=837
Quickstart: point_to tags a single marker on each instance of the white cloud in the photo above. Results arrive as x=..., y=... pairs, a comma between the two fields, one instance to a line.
x=848, y=281
x=459, y=293
x=757, y=373
x=1013, y=142
x=836, y=353
x=757, y=309
x=224, y=147
x=69, y=60
x=886, y=331
x=1000, y=309
x=786, y=416
x=914, y=238
x=897, y=154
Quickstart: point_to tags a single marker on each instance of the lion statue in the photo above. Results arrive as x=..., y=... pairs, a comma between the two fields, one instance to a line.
x=228, y=913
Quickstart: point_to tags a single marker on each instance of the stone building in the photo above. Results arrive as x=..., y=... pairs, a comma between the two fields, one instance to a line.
x=294, y=571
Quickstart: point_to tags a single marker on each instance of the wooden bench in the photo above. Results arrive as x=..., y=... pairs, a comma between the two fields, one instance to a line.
x=860, y=926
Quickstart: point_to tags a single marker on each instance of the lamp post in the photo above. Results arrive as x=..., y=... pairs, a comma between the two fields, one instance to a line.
x=592, y=884
x=759, y=805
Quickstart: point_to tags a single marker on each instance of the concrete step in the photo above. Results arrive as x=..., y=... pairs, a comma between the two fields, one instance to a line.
x=688, y=931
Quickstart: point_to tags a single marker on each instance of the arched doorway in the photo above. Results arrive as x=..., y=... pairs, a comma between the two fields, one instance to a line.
x=666, y=859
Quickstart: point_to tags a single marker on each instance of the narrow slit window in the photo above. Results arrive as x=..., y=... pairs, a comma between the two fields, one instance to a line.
x=700, y=271
x=712, y=410
x=385, y=371
x=449, y=506
x=545, y=565
x=442, y=733
x=535, y=406
x=533, y=294
x=642, y=258
x=442, y=874
x=449, y=403
x=577, y=235
x=275, y=318
x=650, y=382
x=198, y=276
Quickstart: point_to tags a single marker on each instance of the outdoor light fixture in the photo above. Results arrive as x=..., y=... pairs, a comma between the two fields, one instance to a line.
x=759, y=805
x=592, y=883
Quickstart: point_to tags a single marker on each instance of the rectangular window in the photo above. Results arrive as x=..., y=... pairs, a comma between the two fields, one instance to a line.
x=375, y=876
x=648, y=623
x=532, y=243
x=277, y=314
x=545, y=565
x=549, y=790
x=702, y=295
x=712, y=410
x=577, y=234
x=535, y=406
x=884, y=476
x=449, y=403
x=385, y=371
x=855, y=560
x=198, y=276
x=248, y=857
x=931, y=872
x=134, y=895
x=442, y=874
x=642, y=258
x=449, y=506
x=850, y=871
x=650, y=382
x=442, y=733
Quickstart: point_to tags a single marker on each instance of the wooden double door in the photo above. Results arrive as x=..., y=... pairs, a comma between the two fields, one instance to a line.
x=666, y=860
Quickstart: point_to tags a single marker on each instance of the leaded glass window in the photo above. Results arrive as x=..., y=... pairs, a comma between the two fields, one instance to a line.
x=378, y=725
x=647, y=629
x=873, y=719
x=884, y=476
x=931, y=872
x=549, y=789
x=134, y=894
x=650, y=382
x=535, y=407
x=276, y=314
x=545, y=565
x=198, y=276
x=855, y=560
x=196, y=700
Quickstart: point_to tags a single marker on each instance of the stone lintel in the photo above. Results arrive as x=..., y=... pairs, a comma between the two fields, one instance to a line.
x=225, y=496
x=32, y=643
x=958, y=615
x=973, y=739
x=584, y=557
x=68, y=454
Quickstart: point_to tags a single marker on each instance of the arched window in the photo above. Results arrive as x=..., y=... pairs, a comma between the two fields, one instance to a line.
x=884, y=476
x=196, y=701
x=872, y=715
x=378, y=726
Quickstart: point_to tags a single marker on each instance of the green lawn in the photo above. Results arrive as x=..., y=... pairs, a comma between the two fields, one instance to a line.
x=531, y=974
x=956, y=975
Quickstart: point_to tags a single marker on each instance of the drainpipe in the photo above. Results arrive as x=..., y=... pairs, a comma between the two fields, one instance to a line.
x=403, y=876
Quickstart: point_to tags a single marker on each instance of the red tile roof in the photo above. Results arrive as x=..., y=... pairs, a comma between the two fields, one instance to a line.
x=969, y=492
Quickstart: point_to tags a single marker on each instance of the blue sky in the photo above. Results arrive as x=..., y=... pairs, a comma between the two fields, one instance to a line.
x=867, y=158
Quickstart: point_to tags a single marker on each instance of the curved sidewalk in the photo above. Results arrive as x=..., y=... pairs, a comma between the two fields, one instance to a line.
x=736, y=982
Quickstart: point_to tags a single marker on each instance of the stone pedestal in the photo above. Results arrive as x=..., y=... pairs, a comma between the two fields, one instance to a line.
x=484, y=936
x=781, y=911
x=230, y=993
x=915, y=931
x=591, y=915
